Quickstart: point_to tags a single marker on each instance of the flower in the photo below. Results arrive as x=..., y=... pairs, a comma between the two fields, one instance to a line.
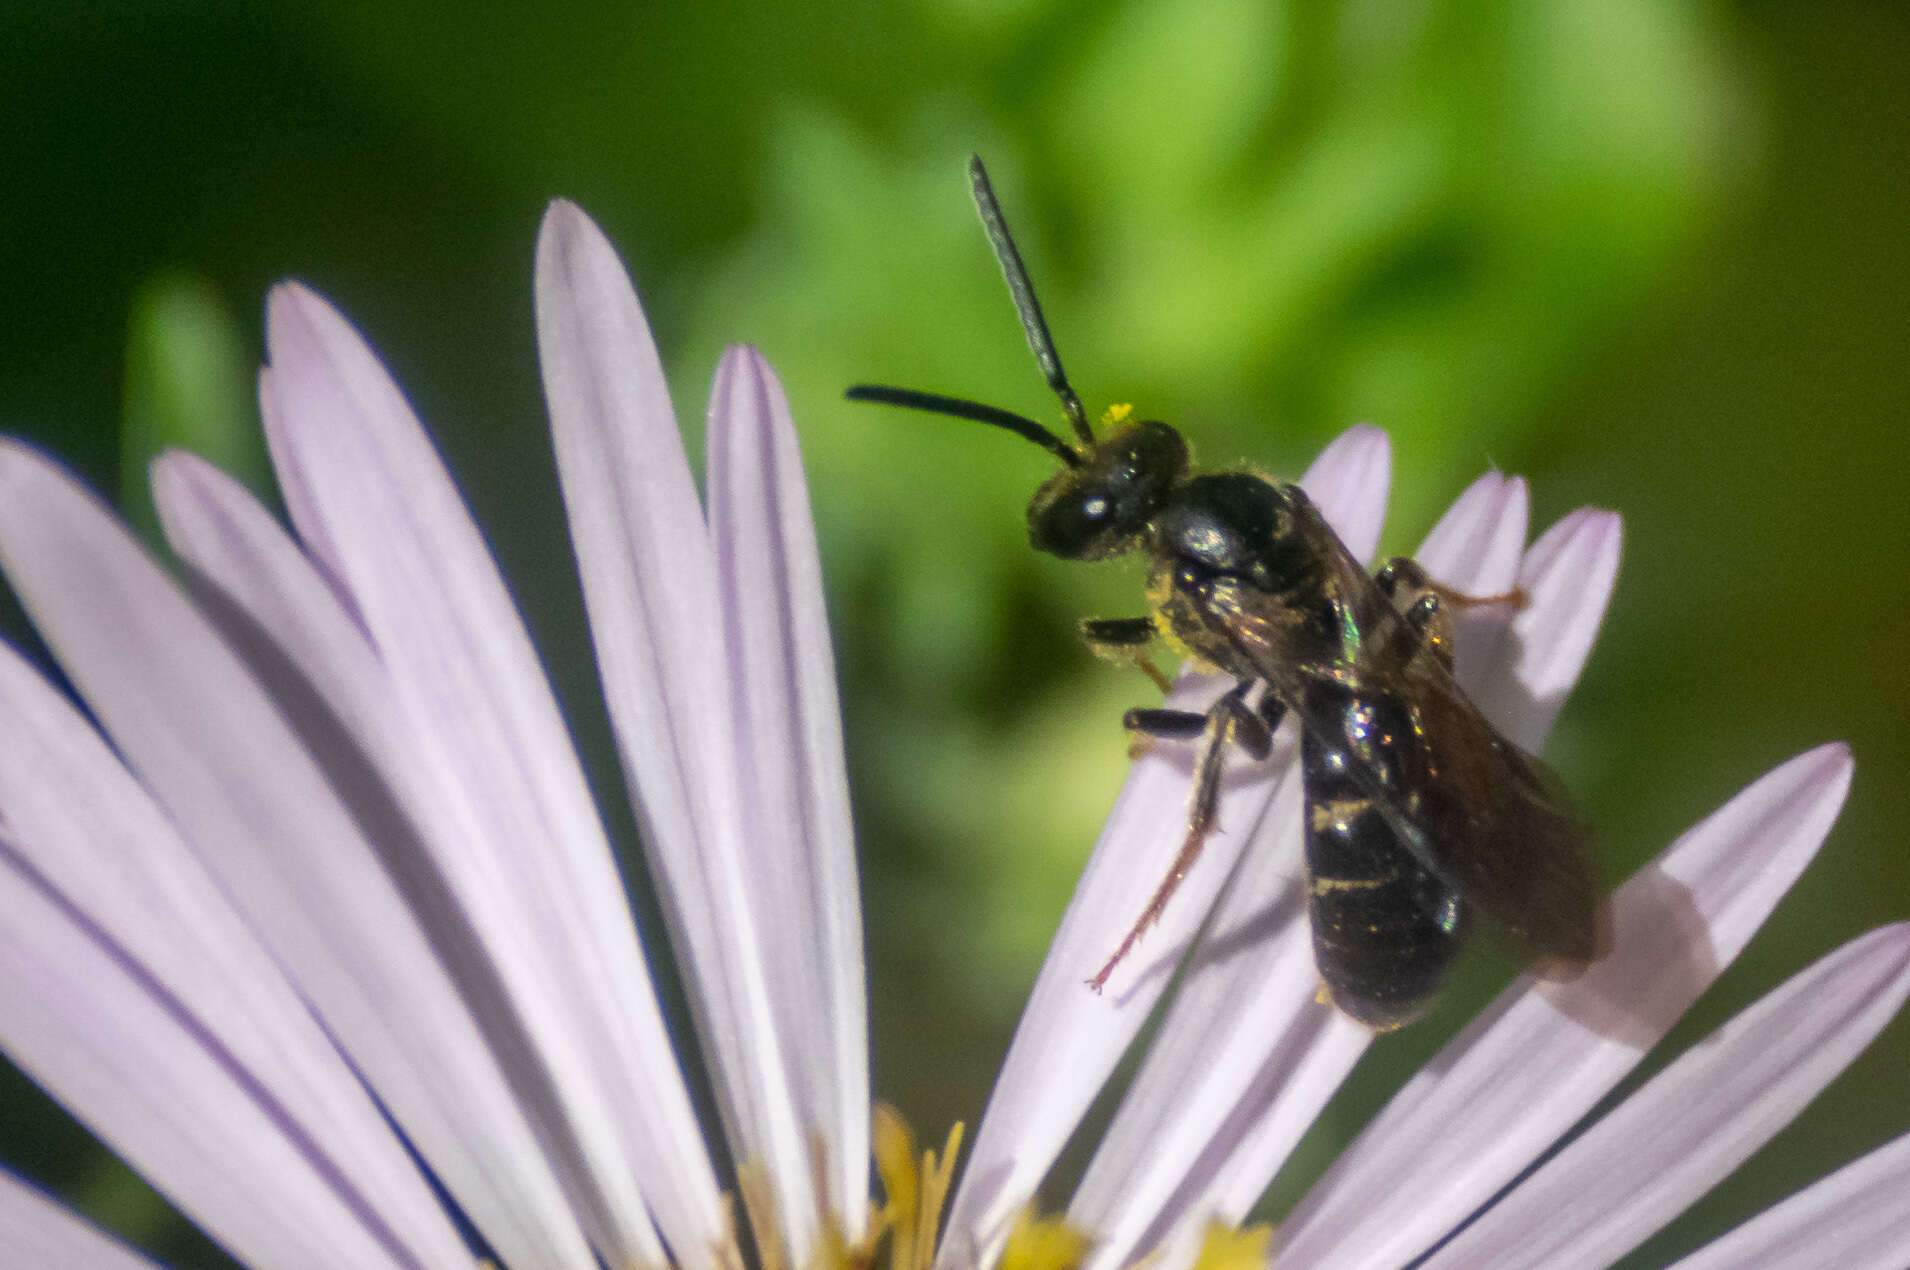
x=323, y=898
x=338, y=872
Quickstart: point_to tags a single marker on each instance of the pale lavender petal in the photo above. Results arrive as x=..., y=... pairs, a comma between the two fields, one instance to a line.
x=1233, y=1036
x=1855, y=1219
x=135, y=1068
x=1567, y=578
x=1247, y=1055
x=1341, y=482
x=1485, y=523
x=1475, y=549
x=36, y=1231
x=1543, y=1054
x=372, y=500
x=1694, y=1123
x=795, y=795
x=137, y=997
x=1070, y=1039
x=650, y=589
x=464, y=1121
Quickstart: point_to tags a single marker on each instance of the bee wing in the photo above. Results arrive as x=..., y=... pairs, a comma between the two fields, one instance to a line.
x=1490, y=819
x=1501, y=827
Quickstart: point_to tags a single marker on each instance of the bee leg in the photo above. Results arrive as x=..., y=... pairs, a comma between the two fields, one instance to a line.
x=1422, y=602
x=1516, y=597
x=1409, y=573
x=1125, y=639
x=1251, y=730
x=1397, y=570
x=1228, y=719
x=1145, y=726
x=1165, y=725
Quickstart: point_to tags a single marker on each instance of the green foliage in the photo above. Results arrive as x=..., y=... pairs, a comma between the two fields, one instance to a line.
x=188, y=387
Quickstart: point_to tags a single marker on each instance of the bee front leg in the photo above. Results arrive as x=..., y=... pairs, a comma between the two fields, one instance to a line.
x=1228, y=720
x=1125, y=639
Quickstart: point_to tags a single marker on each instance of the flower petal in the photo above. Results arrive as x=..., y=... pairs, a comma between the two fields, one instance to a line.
x=1475, y=549
x=1341, y=481
x=135, y=994
x=1855, y=1218
x=1695, y=1122
x=36, y=1231
x=789, y=770
x=1567, y=577
x=1070, y=1039
x=1543, y=1054
x=373, y=503
x=1247, y=1055
x=306, y=649
x=650, y=589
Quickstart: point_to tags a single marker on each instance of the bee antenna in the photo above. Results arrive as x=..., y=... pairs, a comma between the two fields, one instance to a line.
x=960, y=408
x=1023, y=291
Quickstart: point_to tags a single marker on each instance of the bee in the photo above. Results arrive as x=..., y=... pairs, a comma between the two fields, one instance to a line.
x=1419, y=815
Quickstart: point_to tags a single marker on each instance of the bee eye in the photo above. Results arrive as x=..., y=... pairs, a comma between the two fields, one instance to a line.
x=1075, y=524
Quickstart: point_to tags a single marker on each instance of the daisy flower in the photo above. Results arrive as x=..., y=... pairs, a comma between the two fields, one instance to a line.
x=326, y=892
x=310, y=917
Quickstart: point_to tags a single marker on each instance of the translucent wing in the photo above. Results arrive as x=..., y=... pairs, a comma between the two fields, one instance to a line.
x=1501, y=827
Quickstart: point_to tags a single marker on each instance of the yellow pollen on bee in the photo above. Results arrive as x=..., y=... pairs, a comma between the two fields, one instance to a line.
x=1337, y=813
x=1326, y=886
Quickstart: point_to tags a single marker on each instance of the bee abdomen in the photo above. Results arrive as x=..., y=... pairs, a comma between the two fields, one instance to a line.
x=1385, y=929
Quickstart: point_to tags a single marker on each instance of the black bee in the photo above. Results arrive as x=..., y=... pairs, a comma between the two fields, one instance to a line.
x=1418, y=811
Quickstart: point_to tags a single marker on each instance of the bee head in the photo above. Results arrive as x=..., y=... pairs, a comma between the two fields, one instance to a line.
x=1109, y=487
x=1099, y=506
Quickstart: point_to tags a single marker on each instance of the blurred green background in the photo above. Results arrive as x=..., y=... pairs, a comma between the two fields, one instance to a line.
x=1651, y=255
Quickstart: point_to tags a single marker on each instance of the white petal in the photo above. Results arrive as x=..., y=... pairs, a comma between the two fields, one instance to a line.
x=1567, y=578
x=1855, y=1219
x=1341, y=481
x=35, y=1231
x=1691, y=1125
x=1247, y=1056
x=1474, y=549
x=1543, y=1054
x=1234, y=1035
x=791, y=782
x=649, y=581
x=306, y=649
x=137, y=997
x=372, y=500
x=1070, y=1039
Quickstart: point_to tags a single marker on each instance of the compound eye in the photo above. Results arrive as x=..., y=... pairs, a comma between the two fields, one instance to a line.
x=1072, y=524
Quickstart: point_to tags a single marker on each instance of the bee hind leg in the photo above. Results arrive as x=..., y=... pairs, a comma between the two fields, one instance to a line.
x=1229, y=719
x=1404, y=571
